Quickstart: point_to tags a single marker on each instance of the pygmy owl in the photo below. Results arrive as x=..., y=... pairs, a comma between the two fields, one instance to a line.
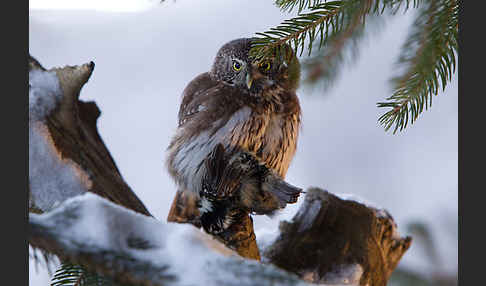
x=237, y=134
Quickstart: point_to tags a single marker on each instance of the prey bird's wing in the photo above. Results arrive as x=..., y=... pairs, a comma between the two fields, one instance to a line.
x=238, y=175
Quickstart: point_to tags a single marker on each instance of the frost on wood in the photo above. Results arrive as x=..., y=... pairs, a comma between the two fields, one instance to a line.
x=331, y=240
x=67, y=156
x=134, y=248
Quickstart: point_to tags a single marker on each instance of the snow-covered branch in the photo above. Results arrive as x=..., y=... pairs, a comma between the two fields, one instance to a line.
x=138, y=249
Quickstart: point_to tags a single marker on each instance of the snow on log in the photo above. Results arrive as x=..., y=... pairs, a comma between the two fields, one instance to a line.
x=137, y=249
x=333, y=240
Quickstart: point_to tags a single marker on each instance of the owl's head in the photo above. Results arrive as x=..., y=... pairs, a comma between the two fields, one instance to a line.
x=235, y=67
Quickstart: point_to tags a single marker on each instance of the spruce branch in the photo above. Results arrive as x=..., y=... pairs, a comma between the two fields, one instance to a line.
x=324, y=65
x=324, y=20
x=293, y=32
x=75, y=275
x=429, y=56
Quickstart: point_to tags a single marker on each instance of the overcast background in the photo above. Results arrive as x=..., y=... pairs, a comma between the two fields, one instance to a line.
x=146, y=53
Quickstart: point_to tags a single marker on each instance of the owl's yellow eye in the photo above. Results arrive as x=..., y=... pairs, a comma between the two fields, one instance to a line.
x=265, y=66
x=236, y=66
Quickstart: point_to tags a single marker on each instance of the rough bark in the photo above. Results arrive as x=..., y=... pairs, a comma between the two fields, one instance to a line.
x=326, y=236
x=329, y=235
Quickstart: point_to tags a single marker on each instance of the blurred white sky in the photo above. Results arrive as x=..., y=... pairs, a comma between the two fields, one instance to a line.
x=99, y=5
x=144, y=59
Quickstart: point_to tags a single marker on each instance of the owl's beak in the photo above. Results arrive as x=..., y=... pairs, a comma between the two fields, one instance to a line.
x=249, y=80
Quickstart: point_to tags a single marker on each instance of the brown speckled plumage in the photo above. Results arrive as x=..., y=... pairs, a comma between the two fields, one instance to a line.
x=220, y=109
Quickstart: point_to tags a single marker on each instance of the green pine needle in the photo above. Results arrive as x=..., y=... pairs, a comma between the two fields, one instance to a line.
x=75, y=275
x=295, y=31
x=324, y=65
x=288, y=6
x=429, y=53
x=430, y=57
x=326, y=21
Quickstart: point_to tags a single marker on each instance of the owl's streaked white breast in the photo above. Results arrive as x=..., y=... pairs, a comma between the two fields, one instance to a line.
x=188, y=161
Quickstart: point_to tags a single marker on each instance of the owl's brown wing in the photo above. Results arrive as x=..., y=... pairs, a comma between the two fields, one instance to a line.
x=191, y=103
x=184, y=206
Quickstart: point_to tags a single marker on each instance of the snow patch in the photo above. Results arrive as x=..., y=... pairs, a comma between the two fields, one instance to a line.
x=345, y=274
x=44, y=93
x=52, y=179
x=267, y=229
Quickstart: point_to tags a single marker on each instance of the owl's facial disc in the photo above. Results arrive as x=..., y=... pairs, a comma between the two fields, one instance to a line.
x=253, y=77
x=233, y=66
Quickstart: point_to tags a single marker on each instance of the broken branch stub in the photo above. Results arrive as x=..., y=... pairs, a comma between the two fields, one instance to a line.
x=336, y=241
x=71, y=134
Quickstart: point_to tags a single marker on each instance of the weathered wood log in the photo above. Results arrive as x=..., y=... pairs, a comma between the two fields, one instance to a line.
x=331, y=240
